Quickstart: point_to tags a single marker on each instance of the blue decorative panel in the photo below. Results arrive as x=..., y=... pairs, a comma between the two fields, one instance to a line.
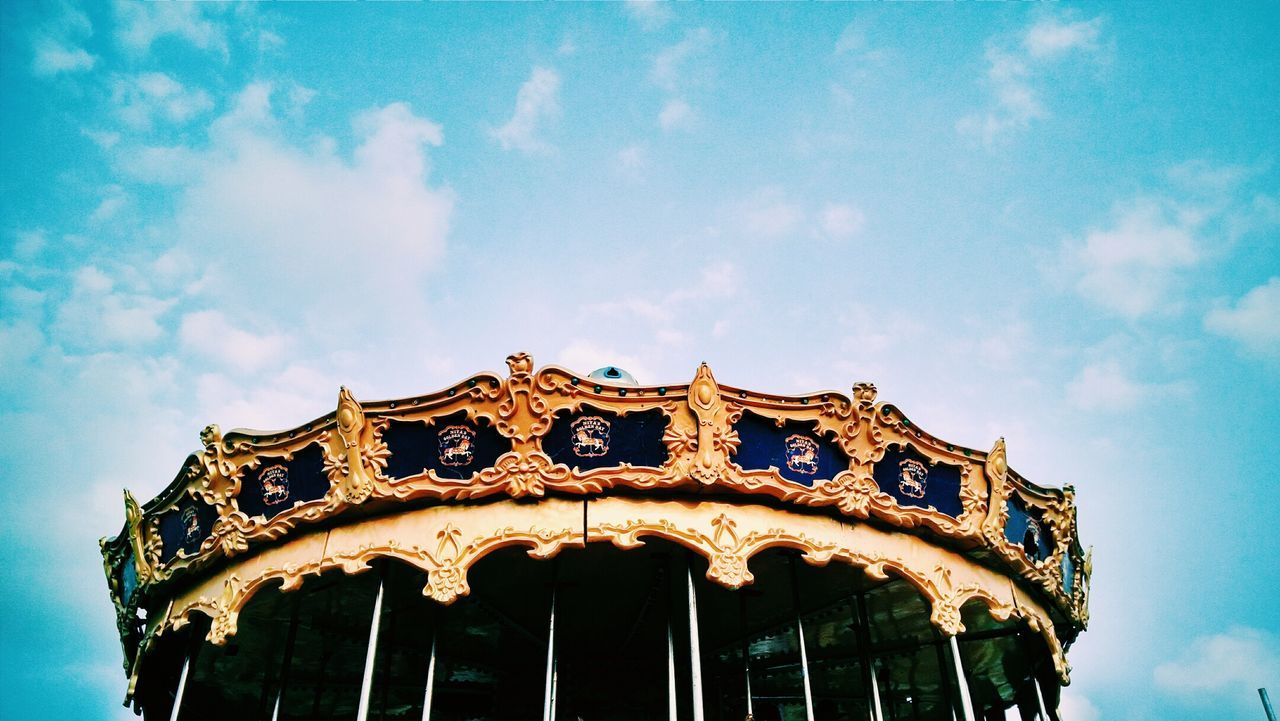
x=451, y=446
x=278, y=484
x=128, y=579
x=1026, y=528
x=915, y=480
x=800, y=455
x=185, y=526
x=1068, y=574
x=592, y=438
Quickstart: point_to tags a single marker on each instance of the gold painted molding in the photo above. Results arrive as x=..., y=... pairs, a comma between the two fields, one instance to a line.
x=700, y=440
x=446, y=541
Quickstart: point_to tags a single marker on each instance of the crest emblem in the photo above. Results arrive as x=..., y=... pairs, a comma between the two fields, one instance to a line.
x=190, y=526
x=590, y=436
x=912, y=481
x=802, y=454
x=457, y=445
x=275, y=484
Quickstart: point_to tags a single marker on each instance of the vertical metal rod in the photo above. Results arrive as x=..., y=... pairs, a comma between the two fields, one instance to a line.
x=1044, y=713
x=746, y=651
x=965, y=702
x=366, y=683
x=943, y=681
x=875, y=694
x=431, y=680
x=548, y=694
x=286, y=661
x=862, y=633
x=695, y=652
x=1266, y=704
x=672, y=707
x=182, y=689
x=804, y=656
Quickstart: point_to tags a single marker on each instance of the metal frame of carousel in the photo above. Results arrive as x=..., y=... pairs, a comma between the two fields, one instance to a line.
x=578, y=548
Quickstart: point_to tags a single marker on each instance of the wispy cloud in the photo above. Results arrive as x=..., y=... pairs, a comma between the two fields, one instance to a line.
x=671, y=66
x=1253, y=321
x=56, y=44
x=139, y=25
x=1012, y=71
x=1223, y=669
x=141, y=99
x=675, y=115
x=537, y=101
x=649, y=14
x=1131, y=266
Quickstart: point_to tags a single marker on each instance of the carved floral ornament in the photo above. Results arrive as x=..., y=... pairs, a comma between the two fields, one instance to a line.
x=445, y=542
x=700, y=440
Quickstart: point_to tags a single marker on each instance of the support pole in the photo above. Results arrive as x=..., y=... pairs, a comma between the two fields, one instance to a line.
x=695, y=652
x=287, y=660
x=672, y=714
x=549, y=694
x=431, y=679
x=875, y=692
x=862, y=633
x=366, y=683
x=1266, y=704
x=966, y=703
x=182, y=689
x=804, y=656
x=1044, y=713
x=746, y=652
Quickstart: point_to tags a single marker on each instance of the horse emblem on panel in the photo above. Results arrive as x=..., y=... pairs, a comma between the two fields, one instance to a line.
x=457, y=445
x=190, y=527
x=275, y=484
x=590, y=436
x=802, y=454
x=912, y=481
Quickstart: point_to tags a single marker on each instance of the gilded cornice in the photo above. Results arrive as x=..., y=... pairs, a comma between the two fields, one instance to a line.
x=703, y=450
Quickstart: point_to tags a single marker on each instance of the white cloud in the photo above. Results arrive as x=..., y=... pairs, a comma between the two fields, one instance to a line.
x=1224, y=668
x=56, y=45
x=1011, y=72
x=113, y=199
x=53, y=57
x=279, y=222
x=1253, y=321
x=1131, y=267
x=670, y=65
x=141, y=99
x=1050, y=37
x=649, y=14
x=633, y=158
x=1104, y=386
x=1075, y=707
x=97, y=315
x=209, y=334
x=769, y=213
x=675, y=114
x=583, y=356
x=536, y=102
x=852, y=39
x=141, y=24
x=841, y=221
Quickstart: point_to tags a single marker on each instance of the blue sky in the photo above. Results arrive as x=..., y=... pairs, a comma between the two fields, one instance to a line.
x=1056, y=223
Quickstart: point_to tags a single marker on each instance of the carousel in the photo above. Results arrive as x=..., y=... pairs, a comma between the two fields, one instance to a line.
x=563, y=547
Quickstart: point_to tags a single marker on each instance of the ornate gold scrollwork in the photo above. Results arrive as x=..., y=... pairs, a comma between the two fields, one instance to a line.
x=715, y=438
x=700, y=440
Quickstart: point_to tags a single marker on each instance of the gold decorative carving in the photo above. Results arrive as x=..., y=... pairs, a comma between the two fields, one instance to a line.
x=700, y=441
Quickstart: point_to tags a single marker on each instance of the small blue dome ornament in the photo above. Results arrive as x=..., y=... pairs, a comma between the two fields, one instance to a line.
x=614, y=376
